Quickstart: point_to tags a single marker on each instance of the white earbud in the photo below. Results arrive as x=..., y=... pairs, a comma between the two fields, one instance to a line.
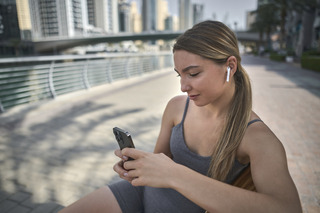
x=228, y=74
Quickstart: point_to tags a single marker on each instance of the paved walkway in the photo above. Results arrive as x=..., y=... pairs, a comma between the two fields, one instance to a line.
x=53, y=153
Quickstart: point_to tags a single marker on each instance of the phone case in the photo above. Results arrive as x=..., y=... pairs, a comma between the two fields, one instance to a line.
x=123, y=138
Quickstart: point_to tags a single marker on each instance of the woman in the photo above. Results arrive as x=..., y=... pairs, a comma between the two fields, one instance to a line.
x=208, y=139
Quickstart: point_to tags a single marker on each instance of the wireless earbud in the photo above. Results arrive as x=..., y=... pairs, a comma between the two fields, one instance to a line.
x=228, y=74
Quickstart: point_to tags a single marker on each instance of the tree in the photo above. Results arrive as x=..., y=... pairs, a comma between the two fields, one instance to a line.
x=285, y=6
x=266, y=21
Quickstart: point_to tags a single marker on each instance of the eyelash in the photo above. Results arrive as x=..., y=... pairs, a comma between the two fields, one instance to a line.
x=191, y=75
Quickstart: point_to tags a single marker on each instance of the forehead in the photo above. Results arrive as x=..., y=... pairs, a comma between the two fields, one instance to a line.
x=184, y=59
x=182, y=54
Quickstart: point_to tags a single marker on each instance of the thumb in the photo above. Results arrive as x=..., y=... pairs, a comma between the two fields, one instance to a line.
x=133, y=153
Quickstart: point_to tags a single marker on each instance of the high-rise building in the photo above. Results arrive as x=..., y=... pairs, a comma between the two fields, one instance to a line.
x=106, y=15
x=172, y=23
x=185, y=14
x=154, y=14
x=91, y=12
x=58, y=18
x=9, y=25
x=169, y=23
x=13, y=31
x=197, y=13
x=135, y=18
x=124, y=16
x=250, y=19
x=149, y=15
x=24, y=19
x=162, y=11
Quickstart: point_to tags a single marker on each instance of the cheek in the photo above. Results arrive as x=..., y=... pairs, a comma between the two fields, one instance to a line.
x=212, y=86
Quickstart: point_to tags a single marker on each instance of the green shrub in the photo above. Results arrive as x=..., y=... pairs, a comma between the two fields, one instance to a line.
x=311, y=53
x=277, y=57
x=311, y=62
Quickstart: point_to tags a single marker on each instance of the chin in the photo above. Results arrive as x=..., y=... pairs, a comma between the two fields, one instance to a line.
x=199, y=103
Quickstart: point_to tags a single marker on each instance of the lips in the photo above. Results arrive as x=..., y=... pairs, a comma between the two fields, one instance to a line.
x=192, y=97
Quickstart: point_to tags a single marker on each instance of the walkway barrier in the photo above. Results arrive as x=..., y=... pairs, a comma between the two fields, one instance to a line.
x=30, y=79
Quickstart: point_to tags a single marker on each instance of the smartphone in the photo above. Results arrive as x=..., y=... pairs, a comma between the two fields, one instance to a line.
x=123, y=138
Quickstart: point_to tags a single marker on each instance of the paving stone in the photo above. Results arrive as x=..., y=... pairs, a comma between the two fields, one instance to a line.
x=6, y=205
x=46, y=208
x=4, y=196
x=19, y=209
x=55, y=152
x=29, y=203
x=20, y=196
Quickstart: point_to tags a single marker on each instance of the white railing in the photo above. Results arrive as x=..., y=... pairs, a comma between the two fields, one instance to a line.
x=30, y=79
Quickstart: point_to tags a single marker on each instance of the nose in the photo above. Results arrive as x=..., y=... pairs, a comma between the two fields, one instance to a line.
x=185, y=86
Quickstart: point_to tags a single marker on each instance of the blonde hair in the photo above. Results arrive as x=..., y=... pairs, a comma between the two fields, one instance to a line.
x=215, y=41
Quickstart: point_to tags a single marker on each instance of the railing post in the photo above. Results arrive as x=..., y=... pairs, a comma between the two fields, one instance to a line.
x=50, y=80
x=85, y=75
x=1, y=107
x=127, y=68
x=109, y=71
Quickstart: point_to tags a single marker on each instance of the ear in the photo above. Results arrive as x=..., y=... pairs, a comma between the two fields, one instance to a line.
x=232, y=63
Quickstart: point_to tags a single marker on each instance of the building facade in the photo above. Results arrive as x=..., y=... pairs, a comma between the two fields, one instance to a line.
x=124, y=16
x=106, y=15
x=185, y=14
x=149, y=15
x=197, y=13
x=58, y=18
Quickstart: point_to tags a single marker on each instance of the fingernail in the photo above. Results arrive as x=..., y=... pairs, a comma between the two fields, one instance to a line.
x=125, y=174
x=124, y=157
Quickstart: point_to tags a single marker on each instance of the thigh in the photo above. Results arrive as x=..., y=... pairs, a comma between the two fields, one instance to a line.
x=101, y=200
x=130, y=198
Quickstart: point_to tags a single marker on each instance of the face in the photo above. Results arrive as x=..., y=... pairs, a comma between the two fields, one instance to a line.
x=202, y=79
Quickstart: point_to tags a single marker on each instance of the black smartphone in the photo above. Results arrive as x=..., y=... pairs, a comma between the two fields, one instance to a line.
x=123, y=138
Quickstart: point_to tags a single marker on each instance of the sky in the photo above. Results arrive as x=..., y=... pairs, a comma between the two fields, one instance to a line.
x=227, y=11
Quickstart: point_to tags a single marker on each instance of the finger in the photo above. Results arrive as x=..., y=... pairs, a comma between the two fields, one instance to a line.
x=118, y=153
x=118, y=168
x=137, y=182
x=128, y=165
x=133, y=174
x=133, y=153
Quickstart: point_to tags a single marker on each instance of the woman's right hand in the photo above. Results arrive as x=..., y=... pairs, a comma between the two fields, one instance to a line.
x=118, y=167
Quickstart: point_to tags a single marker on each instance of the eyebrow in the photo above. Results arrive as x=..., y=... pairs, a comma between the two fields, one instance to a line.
x=188, y=68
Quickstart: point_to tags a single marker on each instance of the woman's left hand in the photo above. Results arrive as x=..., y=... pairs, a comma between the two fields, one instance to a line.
x=149, y=169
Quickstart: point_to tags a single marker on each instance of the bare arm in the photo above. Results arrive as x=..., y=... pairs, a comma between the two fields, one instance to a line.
x=276, y=191
x=171, y=117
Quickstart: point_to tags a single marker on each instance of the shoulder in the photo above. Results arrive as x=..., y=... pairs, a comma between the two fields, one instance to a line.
x=176, y=104
x=179, y=99
x=261, y=147
x=259, y=141
x=259, y=138
x=175, y=108
x=268, y=162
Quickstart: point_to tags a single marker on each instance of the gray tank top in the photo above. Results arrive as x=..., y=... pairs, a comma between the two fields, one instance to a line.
x=169, y=200
x=183, y=155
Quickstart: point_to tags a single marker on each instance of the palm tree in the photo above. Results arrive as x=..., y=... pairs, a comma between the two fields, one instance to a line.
x=266, y=21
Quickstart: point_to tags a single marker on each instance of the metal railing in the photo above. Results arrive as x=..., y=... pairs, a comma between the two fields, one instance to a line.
x=30, y=79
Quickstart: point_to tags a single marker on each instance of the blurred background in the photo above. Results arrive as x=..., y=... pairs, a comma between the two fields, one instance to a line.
x=71, y=70
x=88, y=30
x=287, y=27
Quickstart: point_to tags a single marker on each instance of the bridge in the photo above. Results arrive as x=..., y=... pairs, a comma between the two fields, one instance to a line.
x=59, y=44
